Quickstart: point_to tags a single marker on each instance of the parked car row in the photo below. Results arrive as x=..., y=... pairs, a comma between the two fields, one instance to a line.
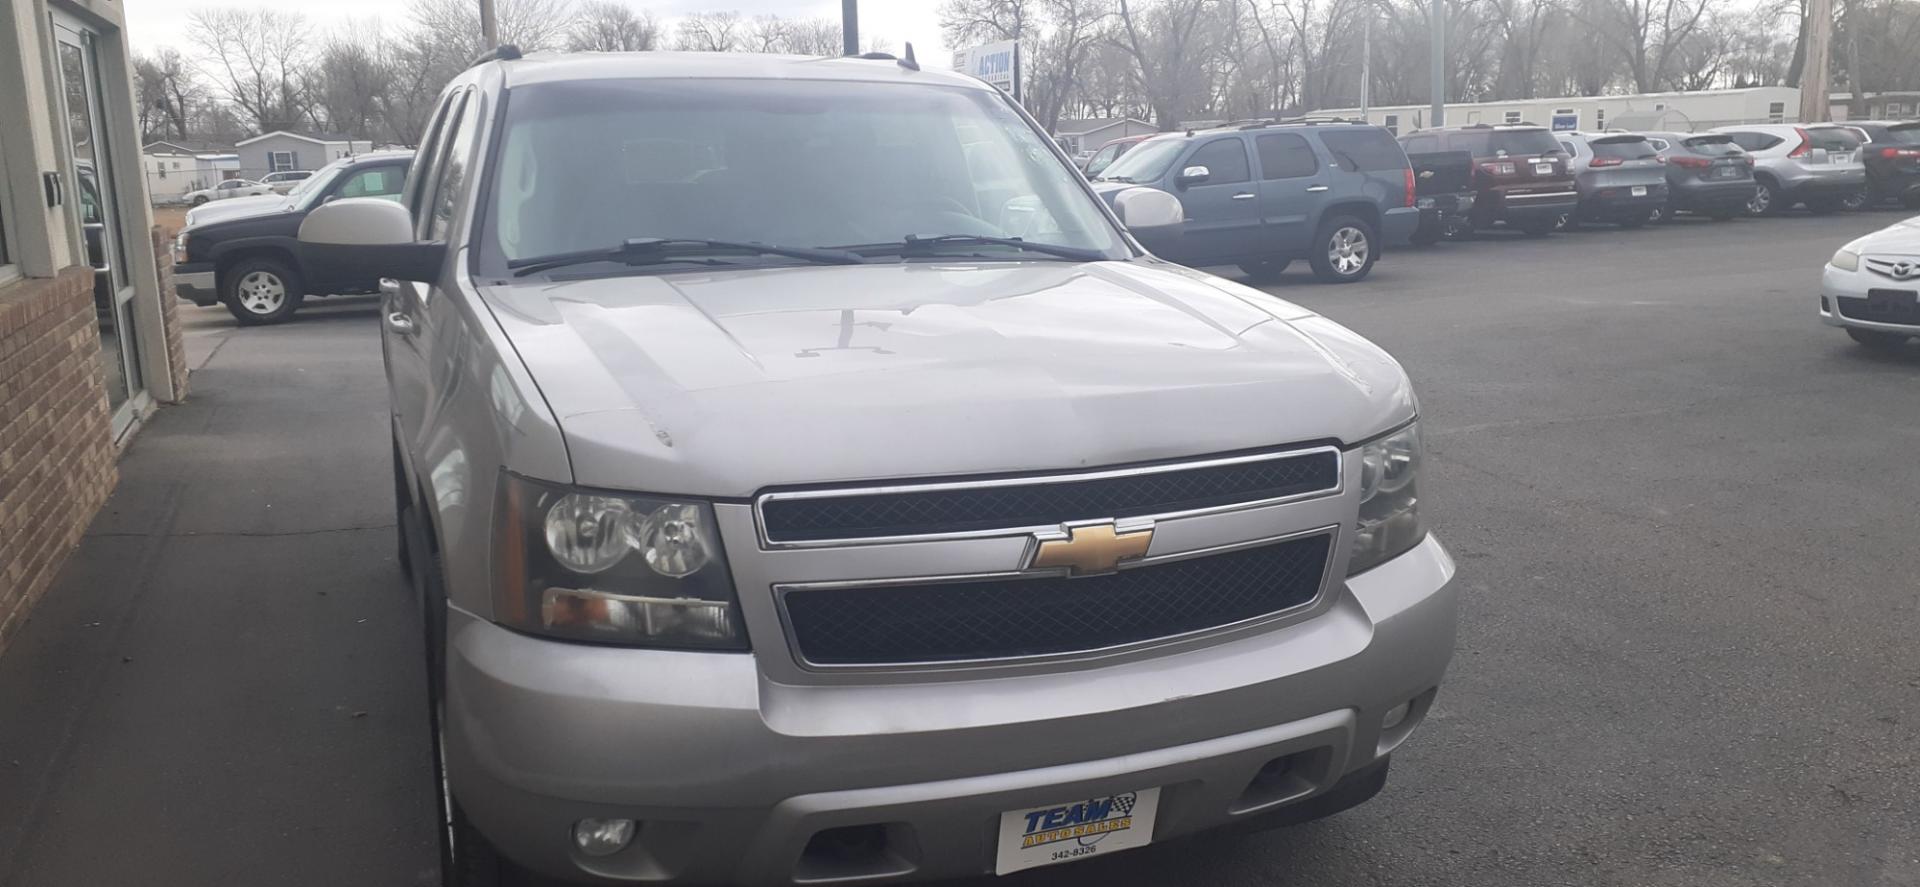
x=1338, y=192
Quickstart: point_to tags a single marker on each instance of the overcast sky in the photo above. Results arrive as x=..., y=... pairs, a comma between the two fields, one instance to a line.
x=154, y=23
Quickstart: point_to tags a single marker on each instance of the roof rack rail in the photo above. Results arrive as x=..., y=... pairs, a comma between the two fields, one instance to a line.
x=505, y=52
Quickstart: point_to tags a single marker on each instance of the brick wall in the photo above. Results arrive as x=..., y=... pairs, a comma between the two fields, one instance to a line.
x=56, y=442
x=169, y=314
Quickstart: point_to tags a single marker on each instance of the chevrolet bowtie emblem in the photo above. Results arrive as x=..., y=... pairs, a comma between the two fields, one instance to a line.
x=1094, y=548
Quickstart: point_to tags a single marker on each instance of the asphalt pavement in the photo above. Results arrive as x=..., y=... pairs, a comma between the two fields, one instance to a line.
x=1685, y=515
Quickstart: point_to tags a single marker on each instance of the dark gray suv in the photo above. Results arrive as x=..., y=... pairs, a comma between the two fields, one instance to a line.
x=1260, y=195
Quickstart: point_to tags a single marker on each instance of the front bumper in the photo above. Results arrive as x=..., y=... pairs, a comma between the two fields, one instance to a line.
x=195, y=282
x=1854, y=287
x=732, y=774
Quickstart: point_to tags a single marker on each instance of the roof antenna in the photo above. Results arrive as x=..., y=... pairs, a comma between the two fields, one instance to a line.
x=908, y=61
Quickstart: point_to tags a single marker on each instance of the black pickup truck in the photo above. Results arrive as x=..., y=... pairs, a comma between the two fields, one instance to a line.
x=1443, y=190
x=244, y=252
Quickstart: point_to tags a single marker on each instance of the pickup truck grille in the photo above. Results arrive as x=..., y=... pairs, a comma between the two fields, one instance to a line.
x=974, y=506
x=1016, y=617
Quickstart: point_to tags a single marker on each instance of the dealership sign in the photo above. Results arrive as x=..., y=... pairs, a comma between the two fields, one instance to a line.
x=996, y=63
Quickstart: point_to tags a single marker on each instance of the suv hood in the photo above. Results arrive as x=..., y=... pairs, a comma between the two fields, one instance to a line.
x=722, y=384
x=238, y=208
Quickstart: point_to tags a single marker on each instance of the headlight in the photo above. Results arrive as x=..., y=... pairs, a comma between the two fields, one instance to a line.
x=1389, y=503
x=612, y=568
x=1846, y=260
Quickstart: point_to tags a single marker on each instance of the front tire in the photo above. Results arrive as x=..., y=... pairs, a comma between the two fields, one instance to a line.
x=260, y=291
x=1877, y=340
x=1344, y=250
x=200, y=201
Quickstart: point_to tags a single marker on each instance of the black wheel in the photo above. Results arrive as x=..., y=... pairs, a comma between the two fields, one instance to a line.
x=197, y=201
x=402, y=516
x=1766, y=200
x=1854, y=202
x=467, y=858
x=1264, y=270
x=1459, y=228
x=1344, y=250
x=1659, y=215
x=1877, y=340
x=260, y=291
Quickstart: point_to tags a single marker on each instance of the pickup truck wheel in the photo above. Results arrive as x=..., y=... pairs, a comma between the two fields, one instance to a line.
x=1344, y=250
x=260, y=291
x=1264, y=270
x=1876, y=339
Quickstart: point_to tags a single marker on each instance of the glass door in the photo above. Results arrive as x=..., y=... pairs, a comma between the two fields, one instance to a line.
x=93, y=207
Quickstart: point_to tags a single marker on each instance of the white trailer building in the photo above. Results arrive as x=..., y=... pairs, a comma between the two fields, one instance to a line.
x=1677, y=111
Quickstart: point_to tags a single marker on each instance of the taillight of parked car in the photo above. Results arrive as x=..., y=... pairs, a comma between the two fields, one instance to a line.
x=1892, y=153
x=1806, y=144
x=1501, y=168
x=1606, y=161
x=1410, y=197
x=1686, y=162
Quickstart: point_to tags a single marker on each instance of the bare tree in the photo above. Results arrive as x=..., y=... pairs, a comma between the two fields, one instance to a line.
x=1161, y=37
x=611, y=26
x=711, y=32
x=1075, y=27
x=168, y=88
x=814, y=36
x=260, y=58
x=352, y=83
x=1645, y=34
x=531, y=25
x=968, y=22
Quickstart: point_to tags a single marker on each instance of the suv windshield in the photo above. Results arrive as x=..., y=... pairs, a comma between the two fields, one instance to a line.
x=1147, y=162
x=1505, y=142
x=589, y=165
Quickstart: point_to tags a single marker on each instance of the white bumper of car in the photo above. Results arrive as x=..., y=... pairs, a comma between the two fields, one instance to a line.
x=1845, y=299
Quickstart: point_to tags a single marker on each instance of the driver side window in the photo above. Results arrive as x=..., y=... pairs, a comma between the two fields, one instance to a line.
x=1225, y=160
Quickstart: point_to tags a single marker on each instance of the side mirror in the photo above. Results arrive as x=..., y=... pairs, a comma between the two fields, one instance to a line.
x=1148, y=212
x=1193, y=175
x=366, y=237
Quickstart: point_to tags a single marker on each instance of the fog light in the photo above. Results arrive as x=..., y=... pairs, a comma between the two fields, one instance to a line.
x=602, y=837
x=1396, y=715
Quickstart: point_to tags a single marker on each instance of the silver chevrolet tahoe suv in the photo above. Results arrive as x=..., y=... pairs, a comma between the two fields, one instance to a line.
x=806, y=479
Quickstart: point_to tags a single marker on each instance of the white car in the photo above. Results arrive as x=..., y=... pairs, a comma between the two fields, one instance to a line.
x=226, y=189
x=1871, y=287
x=285, y=180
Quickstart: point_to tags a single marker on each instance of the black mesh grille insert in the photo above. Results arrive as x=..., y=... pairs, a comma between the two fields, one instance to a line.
x=1886, y=306
x=1001, y=618
x=911, y=513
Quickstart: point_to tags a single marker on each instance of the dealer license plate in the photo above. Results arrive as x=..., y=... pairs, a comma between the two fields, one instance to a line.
x=1075, y=830
x=1639, y=190
x=1542, y=169
x=1725, y=172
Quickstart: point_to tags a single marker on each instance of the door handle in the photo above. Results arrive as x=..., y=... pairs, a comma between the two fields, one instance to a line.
x=400, y=323
x=389, y=286
x=1243, y=196
x=1316, y=189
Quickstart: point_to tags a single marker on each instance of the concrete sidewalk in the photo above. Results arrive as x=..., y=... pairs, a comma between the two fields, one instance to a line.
x=224, y=685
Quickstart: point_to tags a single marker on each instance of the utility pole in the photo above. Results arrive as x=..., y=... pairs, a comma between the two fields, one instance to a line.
x=1813, y=80
x=1366, y=61
x=850, y=26
x=489, y=28
x=1439, y=75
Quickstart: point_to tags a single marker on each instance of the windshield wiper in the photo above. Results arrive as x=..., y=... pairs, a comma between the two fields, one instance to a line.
x=661, y=250
x=928, y=247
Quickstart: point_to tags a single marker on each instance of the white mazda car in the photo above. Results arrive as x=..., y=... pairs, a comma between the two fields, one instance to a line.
x=1872, y=286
